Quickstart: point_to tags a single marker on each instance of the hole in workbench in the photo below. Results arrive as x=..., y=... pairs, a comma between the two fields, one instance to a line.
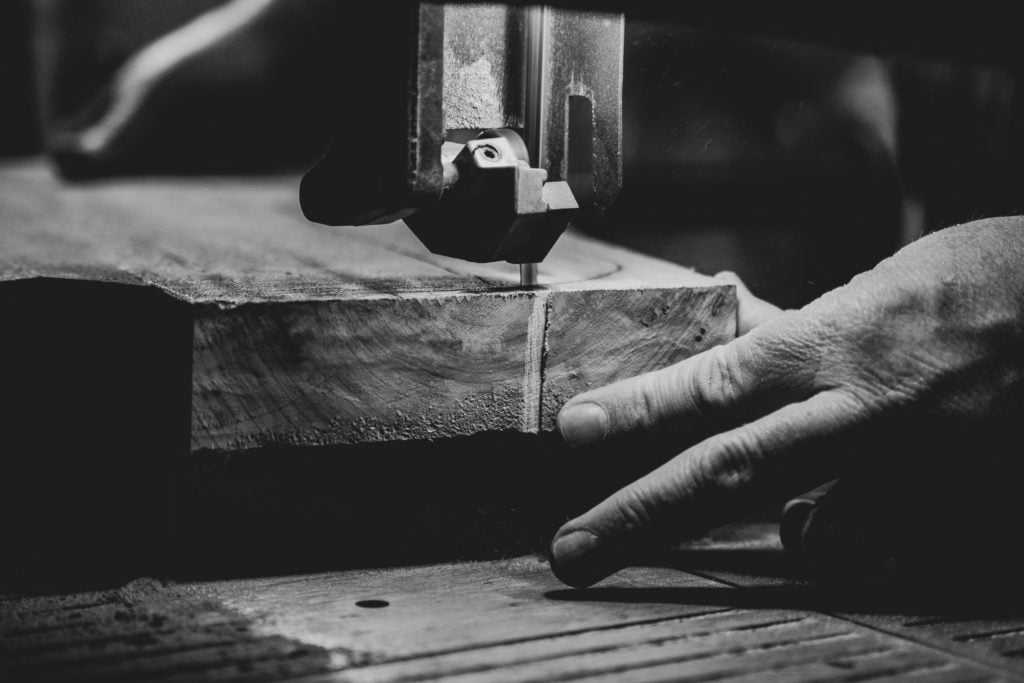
x=372, y=604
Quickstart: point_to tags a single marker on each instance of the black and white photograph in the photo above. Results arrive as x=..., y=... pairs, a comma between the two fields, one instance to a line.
x=352, y=341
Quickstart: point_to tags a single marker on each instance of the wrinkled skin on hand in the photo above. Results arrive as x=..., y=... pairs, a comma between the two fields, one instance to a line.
x=916, y=366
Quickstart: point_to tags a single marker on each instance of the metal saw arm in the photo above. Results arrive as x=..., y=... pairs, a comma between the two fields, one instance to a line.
x=413, y=77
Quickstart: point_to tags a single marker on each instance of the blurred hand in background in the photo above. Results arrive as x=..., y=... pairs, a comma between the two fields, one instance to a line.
x=237, y=86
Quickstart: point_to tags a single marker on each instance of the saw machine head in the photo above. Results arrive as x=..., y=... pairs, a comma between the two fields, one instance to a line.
x=487, y=128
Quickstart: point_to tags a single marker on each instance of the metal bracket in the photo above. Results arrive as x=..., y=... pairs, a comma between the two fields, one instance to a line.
x=436, y=74
x=494, y=206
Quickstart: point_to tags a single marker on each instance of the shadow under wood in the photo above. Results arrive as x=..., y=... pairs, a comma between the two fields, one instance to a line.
x=288, y=509
x=94, y=410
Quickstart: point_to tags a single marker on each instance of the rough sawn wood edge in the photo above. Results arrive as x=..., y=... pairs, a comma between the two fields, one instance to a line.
x=318, y=373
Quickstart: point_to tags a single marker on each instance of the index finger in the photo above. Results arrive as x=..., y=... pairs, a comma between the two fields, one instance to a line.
x=788, y=451
x=718, y=388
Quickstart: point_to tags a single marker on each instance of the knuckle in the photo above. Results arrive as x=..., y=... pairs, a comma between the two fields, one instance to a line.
x=714, y=384
x=868, y=397
x=650, y=404
x=633, y=511
x=731, y=462
x=656, y=398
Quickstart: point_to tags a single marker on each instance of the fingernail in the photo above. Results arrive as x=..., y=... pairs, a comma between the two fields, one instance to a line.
x=583, y=423
x=577, y=559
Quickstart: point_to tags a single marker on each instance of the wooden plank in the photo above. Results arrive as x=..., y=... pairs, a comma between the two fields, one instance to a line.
x=310, y=336
x=970, y=622
x=505, y=620
x=781, y=660
x=882, y=665
x=510, y=621
x=503, y=614
x=972, y=634
x=570, y=646
x=600, y=336
x=353, y=371
x=441, y=608
x=145, y=629
x=431, y=366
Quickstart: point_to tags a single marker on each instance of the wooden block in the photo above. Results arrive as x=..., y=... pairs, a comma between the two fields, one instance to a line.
x=359, y=370
x=431, y=366
x=599, y=336
x=307, y=335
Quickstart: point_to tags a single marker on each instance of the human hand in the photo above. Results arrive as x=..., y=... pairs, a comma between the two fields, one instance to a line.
x=909, y=367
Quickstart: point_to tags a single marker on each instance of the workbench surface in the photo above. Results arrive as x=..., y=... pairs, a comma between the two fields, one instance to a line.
x=511, y=620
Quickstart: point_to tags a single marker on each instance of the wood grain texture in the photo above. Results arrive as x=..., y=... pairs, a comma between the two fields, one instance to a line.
x=311, y=336
x=597, y=337
x=231, y=241
x=972, y=622
x=357, y=371
x=507, y=620
x=511, y=621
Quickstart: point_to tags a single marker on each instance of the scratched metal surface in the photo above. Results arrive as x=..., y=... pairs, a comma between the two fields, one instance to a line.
x=486, y=55
x=483, y=67
x=585, y=60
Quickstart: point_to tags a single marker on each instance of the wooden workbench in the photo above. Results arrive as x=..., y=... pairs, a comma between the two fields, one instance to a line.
x=510, y=620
